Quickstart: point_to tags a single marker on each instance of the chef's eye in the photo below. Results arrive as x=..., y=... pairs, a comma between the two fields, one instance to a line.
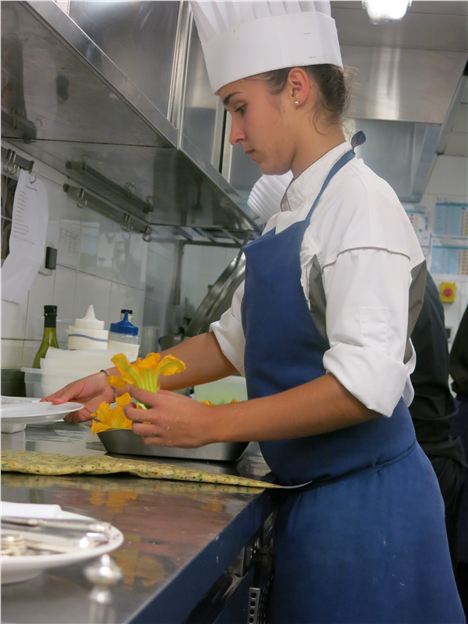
x=240, y=110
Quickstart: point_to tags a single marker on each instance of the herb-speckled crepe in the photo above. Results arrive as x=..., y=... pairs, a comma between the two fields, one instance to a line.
x=33, y=462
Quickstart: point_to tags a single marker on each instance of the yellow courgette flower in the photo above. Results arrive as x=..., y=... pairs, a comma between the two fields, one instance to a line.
x=126, y=370
x=112, y=417
x=144, y=373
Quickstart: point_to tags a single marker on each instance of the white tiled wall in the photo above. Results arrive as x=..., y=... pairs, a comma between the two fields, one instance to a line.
x=100, y=264
x=97, y=263
x=158, y=314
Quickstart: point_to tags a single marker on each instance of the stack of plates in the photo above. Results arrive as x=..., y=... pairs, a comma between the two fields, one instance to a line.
x=17, y=412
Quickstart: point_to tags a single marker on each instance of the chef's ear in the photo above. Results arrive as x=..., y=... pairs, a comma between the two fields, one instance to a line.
x=300, y=86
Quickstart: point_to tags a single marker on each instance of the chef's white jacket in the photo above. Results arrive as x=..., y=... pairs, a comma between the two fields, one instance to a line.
x=363, y=277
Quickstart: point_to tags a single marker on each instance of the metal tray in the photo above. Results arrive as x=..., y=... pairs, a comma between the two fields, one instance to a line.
x=125, y=442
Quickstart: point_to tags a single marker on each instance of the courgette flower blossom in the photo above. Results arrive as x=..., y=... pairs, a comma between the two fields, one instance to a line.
x=144, y=373
x=112, y=416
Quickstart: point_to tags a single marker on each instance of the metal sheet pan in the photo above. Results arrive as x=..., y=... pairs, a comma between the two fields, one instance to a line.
x=125, y=442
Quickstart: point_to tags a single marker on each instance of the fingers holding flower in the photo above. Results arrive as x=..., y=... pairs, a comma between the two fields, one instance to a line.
x=144, y=373
x=112, y=417
x=171, y=419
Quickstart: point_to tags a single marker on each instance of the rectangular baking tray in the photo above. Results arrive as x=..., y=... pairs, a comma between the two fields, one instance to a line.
x=125, y=442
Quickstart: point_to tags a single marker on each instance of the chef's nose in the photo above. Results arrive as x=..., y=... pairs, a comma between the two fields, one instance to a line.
x=237, y=135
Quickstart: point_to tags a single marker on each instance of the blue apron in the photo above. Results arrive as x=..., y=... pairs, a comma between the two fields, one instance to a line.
x=365, y=542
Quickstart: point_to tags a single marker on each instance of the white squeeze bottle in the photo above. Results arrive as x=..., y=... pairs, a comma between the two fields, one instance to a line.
x=87, y=332
x=123, y=337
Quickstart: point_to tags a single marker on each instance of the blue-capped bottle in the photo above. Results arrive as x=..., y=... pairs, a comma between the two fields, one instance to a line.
x=123, y=336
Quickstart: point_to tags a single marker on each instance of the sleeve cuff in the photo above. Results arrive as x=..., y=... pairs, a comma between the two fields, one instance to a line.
x=228, y=346
x=372, y=377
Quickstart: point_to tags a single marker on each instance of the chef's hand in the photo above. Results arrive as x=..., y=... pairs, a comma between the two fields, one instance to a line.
x=171, y=419
x=90, y=391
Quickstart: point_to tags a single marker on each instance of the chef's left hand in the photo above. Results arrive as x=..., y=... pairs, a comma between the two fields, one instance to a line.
x=171, y=419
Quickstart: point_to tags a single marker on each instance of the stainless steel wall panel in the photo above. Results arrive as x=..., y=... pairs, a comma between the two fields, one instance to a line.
x=403, y=85
x=402, y=153
x=51, y=85
x=200, y=132
x=165, y=177
x=138, y=36
x=65, y=100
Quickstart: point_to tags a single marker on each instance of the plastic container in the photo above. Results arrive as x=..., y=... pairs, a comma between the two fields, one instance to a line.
x=87, y=333
x=39, y=383
x=56, y=373
x=123, y=337
x=59, y=360
x=62, y=366
x=222, y=391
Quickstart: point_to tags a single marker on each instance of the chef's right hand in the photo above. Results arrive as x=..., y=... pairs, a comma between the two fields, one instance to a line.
x=91, y=391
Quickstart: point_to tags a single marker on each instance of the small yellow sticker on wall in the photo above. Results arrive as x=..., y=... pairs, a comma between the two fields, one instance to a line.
x=447, y=291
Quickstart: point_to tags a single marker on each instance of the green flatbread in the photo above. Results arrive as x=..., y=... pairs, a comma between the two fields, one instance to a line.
x=33, y=462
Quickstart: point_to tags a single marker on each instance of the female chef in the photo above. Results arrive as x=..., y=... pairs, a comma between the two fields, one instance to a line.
x=320, y=330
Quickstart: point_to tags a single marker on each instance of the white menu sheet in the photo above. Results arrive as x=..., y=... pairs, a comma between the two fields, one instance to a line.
x=27, y=239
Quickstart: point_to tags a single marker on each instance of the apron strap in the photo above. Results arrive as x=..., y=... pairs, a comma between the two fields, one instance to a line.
x=334, y=170
x=358, y=139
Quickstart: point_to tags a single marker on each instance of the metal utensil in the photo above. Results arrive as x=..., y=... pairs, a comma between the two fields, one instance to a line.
x=12, y=545
x=56, y=543
x=103, y=574
x=59, y=523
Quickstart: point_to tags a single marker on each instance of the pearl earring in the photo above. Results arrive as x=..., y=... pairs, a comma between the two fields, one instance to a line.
x=296, y=102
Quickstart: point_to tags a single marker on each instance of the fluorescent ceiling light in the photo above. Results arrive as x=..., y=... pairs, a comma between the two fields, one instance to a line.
x=385, y=10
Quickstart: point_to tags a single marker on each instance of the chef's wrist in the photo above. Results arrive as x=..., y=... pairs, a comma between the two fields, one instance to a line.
x=223, y=428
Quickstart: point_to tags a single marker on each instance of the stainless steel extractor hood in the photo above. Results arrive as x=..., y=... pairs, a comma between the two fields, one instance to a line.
x=65, y=102
x=406, y=81
x=66, y=99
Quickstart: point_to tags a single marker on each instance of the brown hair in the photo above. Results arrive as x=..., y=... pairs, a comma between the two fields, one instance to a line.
x=332, y=84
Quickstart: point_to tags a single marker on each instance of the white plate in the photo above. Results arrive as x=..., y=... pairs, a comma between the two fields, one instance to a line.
x=26, y=411
x=22, y=568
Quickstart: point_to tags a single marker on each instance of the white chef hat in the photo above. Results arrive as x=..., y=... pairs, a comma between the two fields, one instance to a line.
x=241, y=39
x=266, y=195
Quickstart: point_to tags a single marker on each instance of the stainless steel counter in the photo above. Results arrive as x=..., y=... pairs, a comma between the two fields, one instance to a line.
x=179, y=537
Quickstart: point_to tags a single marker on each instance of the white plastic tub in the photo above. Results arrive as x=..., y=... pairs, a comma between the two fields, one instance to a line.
x=40, y=383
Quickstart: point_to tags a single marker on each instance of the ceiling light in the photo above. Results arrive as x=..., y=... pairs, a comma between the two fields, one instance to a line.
x=385, y=10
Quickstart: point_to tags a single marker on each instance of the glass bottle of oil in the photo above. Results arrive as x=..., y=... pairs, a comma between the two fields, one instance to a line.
x=49, y=336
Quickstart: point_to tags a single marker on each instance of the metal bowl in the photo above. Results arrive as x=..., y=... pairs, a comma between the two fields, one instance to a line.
x=125, y=442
